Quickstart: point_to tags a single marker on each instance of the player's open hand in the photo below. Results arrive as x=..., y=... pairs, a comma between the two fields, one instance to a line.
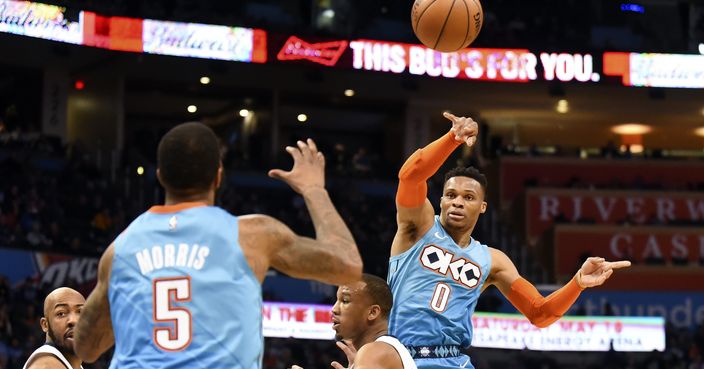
x=595, y=271
x=308, y=168
x=465, y=129
x=350, y=351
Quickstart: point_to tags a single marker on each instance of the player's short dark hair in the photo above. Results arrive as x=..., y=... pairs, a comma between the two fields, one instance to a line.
x=188, y=158
x=470, y=172
x=379, y=293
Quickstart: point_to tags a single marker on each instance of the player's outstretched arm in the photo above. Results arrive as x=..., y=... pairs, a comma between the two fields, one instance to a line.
x=543, y=311
x=94, y=333
x=332, y=257
x=415, y=213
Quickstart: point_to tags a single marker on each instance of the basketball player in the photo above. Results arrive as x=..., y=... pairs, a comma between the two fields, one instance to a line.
x=62, y=308
x=360, y=319
x=181, y=286
x=437, y=270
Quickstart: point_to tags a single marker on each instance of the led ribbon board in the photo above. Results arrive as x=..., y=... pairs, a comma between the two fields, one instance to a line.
x=510, y=331
x=656, y=70
x=39, y=20
x=203, y=41
x=502, y=65
x=491, y=330
x=133, y=34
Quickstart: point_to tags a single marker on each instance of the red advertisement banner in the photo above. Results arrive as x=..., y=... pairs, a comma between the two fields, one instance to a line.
x=519, y=173
x=544, y=207
x=114, y=33
x=664, y=258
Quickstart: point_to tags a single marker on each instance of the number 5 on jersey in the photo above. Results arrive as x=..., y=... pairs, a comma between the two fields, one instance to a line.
x=178, y=336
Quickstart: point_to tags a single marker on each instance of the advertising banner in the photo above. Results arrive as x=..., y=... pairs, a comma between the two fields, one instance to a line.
x=511, y=331
x=113, y=33
x=500, y=65
x=545, y=206
x=39, y=20
x=519, y=173
x=133, y=34
x=49, y=269
x=494, y=330
x=204, y=41
x=664, y=258
x=250, y=45
x=304, y=321
x=656, y=70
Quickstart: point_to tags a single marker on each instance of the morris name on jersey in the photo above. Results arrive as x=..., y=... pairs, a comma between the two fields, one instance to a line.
x=170, y=255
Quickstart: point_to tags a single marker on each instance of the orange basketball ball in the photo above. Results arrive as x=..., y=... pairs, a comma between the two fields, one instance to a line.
x=447, y=25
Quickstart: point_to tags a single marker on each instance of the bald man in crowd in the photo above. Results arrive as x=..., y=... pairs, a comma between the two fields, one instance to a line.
x=62, y=308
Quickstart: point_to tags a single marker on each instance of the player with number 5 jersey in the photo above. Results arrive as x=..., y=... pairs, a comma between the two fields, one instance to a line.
x=437, y=270
x=181, y=286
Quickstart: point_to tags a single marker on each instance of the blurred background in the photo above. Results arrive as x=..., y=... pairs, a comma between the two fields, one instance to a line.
x=592, y=138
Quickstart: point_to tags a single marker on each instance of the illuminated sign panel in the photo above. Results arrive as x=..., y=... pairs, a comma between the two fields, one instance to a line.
x=252, y=45
x=114, y=33
x=509, y=65
x=516, y=172
x=199, y=40
x=505, y=331
x=133, y=34
x=546, y=206
x=325, y=53
x=643, y=245
x=38, y=20
x=656, y=70
x=511, y=331
x=650, y=248
x=503, y=65
x=303, y=321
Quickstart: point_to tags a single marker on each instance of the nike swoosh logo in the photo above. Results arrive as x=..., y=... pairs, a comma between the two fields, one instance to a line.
x=437, y=234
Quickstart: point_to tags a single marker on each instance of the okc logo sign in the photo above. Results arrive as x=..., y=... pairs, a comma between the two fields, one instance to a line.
x=444, y=263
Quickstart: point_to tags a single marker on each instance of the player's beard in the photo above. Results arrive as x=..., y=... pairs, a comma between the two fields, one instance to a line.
x=60, y=344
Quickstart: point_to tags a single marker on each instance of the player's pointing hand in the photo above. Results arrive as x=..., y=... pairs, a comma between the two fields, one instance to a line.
x=465, y=129
x=595, y=271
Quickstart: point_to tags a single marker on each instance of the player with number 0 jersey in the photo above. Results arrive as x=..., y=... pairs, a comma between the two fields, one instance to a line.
x=437, y=270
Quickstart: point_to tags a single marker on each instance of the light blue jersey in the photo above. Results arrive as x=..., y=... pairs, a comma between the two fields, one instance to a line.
x=436, y=285
x=182, y=294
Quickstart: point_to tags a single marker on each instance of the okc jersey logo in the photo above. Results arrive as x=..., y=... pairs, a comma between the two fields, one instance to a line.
x=444, y=263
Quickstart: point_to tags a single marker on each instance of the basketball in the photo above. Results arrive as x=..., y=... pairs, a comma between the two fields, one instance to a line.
x=447, y=25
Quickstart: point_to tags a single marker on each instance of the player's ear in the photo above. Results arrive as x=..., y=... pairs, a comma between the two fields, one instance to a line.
x=483, y=207
x=158, y=176
x=44, y=324
x=374, y=312
x=218, y=177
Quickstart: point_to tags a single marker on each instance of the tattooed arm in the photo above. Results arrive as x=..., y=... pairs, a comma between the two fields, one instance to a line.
x=94, y=333
x=268, y=242
x=332, y=257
